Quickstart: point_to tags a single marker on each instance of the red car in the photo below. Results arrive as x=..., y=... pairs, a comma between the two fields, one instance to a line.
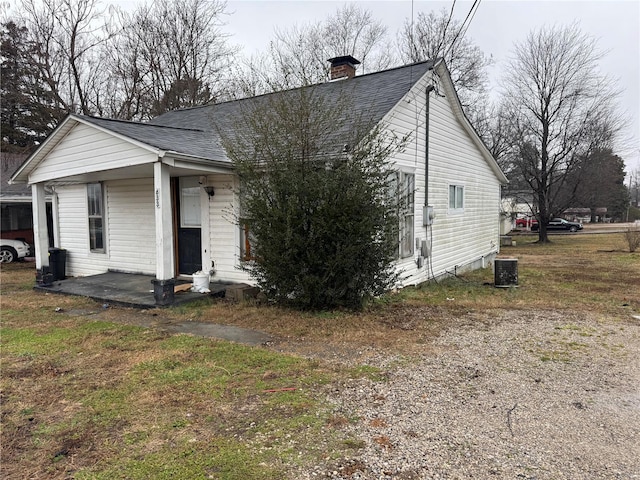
x=526, y=222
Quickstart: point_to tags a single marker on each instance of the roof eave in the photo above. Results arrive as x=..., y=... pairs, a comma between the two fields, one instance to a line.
x=21, y=175
x=443, y=72
x=226, y=165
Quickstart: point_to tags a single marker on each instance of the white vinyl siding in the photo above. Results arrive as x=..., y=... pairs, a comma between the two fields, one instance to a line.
x=463, y=238
x=454, y=159
x=130, y=236
x=131, y=225
x=223, y=230
x=74, y=232
x=87, y=149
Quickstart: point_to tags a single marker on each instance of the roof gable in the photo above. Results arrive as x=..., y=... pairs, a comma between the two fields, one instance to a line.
x=79, y=148
x=165, y=138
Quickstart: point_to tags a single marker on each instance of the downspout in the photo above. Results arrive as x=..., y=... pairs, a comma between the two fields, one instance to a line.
x=427, y=214
x=430, y=88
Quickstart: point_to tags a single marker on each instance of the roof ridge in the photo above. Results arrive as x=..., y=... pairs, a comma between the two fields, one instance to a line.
x=314, y=85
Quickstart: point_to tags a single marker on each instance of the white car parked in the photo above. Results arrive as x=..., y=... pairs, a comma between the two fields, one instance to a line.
x=12, y=250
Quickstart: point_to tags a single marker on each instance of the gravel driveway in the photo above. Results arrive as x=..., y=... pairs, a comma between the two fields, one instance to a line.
x=505, y=395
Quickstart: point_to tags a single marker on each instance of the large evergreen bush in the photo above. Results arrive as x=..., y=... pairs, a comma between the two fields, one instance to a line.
x=316, y=190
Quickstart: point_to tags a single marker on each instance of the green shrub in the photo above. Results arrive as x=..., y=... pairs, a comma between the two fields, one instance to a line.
x=315, y=194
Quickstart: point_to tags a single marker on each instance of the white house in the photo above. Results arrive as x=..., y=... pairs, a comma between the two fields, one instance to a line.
x=154, y=197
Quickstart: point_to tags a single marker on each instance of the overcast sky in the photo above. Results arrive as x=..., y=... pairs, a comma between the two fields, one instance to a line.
x=494, y=28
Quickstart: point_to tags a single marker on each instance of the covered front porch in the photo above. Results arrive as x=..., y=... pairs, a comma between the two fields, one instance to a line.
x=121, y=208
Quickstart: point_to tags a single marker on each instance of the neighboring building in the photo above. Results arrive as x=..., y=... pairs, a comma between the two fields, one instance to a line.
x=155, y=197
x=16, y=215
x=585, y=215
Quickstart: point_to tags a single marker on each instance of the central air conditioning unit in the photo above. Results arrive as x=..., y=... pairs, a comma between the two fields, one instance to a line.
x=506, y=272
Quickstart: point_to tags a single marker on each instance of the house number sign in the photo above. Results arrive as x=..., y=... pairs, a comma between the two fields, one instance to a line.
x=157, y=198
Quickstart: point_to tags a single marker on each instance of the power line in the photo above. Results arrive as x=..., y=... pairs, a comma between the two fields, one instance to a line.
x=465, y=24
x=444, y=32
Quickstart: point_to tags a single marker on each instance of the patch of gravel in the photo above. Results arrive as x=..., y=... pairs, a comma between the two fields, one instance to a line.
x=505, y=395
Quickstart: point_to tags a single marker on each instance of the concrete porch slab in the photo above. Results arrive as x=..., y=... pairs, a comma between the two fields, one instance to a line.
x=127, y=289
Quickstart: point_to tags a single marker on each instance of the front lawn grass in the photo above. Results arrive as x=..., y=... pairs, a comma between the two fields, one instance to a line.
x=84, y=397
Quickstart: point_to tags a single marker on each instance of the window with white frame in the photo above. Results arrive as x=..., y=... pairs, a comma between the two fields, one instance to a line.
x=95, y=201
x=456, y=198
x=407, y=211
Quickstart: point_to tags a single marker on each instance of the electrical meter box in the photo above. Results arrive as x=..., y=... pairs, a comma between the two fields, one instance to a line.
x=428, y=214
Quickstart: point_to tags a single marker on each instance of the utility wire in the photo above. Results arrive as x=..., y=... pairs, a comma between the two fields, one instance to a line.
x=470, y=20
x=465, y=25
x=444, y=32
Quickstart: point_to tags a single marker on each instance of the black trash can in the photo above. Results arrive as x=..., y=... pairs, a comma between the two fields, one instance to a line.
x=57, y=263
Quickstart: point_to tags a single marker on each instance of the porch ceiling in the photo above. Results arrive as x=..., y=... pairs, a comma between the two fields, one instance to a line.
x=137, y=171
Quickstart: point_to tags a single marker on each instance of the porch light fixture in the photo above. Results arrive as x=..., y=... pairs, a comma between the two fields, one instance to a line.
x=210, y=191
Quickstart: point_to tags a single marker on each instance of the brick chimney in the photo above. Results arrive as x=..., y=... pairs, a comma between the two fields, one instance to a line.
x=343, y=67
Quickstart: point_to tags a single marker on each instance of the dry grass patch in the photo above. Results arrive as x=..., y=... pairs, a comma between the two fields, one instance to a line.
x=583, y=272
x=83, y=397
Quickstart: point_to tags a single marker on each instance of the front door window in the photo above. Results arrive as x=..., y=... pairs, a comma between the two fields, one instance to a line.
x=189, y=223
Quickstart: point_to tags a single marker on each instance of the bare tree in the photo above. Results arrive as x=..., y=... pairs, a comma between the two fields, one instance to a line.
x=436, y=35
x=68, y=34
x=253, y=76
x=168, y=54
x=127, y=89
x=298, y=56
x=490, y=124
x=557, y=108
x=352, y=30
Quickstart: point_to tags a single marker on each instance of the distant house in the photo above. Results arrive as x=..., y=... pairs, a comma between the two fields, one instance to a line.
x=151, y=197
x=586, y=215
x=16, y=216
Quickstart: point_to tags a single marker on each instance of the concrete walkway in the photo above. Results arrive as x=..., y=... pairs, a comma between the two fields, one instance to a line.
x=131, y=290
x=229, y=333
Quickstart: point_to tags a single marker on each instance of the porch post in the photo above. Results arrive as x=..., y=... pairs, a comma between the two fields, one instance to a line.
x=54, y=217
x=40, y=235
x=163, y=285
x=205, y=226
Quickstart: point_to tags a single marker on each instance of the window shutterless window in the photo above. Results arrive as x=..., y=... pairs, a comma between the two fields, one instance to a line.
x=456, y=197
x=407, y=212
x=95, y=202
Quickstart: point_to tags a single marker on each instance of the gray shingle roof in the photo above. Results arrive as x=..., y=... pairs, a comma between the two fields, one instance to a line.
x=9, y=163
x=195, y=142
x=196, y=131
